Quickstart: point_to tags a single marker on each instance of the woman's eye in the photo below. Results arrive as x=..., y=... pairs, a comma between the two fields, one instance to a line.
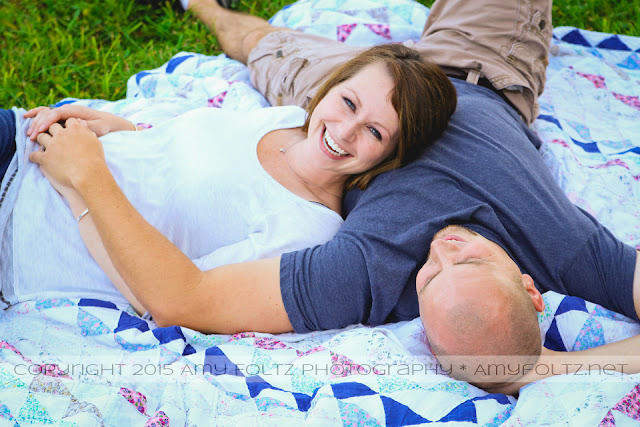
x=350, y=104
x=375, y=133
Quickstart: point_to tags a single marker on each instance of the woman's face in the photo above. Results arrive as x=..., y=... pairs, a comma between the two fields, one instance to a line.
x=355, y=126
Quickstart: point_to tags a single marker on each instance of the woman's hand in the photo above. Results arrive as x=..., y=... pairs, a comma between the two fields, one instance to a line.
x=99, y=122
x=68, y=155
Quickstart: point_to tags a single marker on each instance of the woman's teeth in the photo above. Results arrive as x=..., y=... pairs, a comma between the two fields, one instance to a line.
x=332, y=146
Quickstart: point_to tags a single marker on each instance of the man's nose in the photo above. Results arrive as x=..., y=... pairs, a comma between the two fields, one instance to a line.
x=443, y=251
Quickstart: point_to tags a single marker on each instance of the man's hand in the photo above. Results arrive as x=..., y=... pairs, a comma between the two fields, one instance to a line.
x=99, y=122
x=68, y=155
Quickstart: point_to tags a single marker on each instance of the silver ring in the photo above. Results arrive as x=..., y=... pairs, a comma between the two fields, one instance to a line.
x=43, y=148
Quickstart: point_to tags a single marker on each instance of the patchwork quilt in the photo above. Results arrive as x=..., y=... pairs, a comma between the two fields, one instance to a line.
x=86, y=363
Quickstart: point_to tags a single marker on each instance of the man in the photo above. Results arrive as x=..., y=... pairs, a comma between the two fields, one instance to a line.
x=484, y=174
x=479, y=309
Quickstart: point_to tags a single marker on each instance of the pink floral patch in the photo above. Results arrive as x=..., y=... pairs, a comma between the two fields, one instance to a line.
x=380, y=29
x=317, y=349
x=598, y=81
x=6, y=345
x=630, y=404
x=615, y=162
x=242, y=335
x=631, y=101
x=608, y=421
x=159, y=419
x=560, y=142
x=137, y=399
x=270, y=344
x=342, y=366
x=344, y=31
x=216, y=101
x=52, y=370
x=144, y=125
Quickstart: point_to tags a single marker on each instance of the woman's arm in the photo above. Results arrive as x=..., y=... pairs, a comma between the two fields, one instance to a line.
x=93, y=243
x=228, y=299
x=621, y=356
x=99, y=122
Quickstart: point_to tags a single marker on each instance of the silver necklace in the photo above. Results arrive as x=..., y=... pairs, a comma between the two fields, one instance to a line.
x=286, y=159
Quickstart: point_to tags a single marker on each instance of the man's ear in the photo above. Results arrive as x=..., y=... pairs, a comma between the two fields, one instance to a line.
x=534, y=294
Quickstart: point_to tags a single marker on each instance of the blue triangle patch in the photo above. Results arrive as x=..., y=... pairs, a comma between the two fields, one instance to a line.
x=217, y=363
x=141, y=75
x=351, y=389
x=553, y=339
x=466, y=411
x=570, y=304
x=256, y=384
x=550, y=119
x=589, y=147
x=500, y=398
x=88, y=302
x=631, y=62
x=174, y=62
x=168, y=334
x=398, y=414
x=128, y=321
x=188, y=349
x=613, y=43
x=575, y=37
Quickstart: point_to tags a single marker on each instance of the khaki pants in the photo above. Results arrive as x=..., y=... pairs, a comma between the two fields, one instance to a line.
x=503, y=41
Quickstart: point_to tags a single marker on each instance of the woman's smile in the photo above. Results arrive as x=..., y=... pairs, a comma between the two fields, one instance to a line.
x=331, y=148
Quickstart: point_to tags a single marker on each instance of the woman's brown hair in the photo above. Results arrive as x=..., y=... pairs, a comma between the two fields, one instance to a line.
x=422, y=95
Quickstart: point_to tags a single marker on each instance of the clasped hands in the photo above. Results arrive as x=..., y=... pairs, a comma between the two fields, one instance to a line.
x=101, y=123
x=69, y=154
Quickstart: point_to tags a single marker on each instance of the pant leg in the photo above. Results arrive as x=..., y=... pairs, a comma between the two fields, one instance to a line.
x=7, y=139
x=288, y=67
x=504, y=41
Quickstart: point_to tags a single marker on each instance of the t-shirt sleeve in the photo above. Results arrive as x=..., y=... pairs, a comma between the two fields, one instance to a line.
x=603, y=272
x=344, y=297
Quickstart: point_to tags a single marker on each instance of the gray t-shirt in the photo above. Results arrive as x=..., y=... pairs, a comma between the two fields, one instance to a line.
x=484, y=173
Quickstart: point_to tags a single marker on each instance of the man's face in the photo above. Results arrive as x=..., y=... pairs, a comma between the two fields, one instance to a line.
x=457, y=252
x=462, y=268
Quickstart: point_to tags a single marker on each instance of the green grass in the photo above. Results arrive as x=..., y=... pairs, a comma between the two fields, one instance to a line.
x=51, y=49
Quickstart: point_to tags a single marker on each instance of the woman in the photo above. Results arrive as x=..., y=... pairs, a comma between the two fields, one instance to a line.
x=169, y=204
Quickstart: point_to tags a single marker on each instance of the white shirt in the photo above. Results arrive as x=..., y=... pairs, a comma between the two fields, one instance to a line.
x=196, y=178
